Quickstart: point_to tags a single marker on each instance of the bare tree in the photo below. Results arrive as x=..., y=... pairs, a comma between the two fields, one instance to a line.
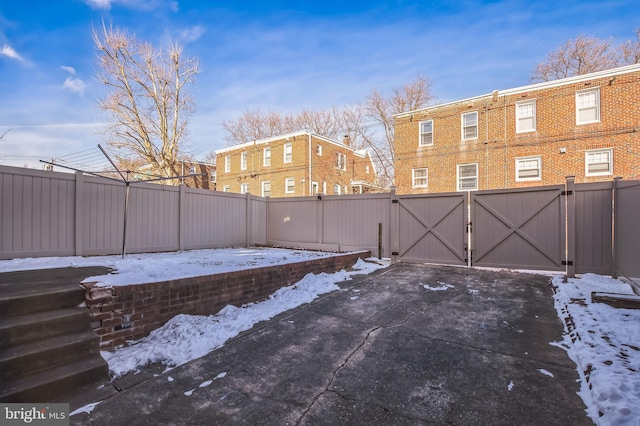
x=147, y=98
x=583, y=55
x=630, y=50
x=368, y=124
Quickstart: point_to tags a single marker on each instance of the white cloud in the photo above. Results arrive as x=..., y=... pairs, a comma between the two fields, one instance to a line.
x=70, y=70
x=99, y=4
x=74, y=85
x=9, y=52
x=192, y=33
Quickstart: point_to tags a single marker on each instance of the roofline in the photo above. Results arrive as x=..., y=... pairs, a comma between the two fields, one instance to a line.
x=537, y=86
x=284, y=136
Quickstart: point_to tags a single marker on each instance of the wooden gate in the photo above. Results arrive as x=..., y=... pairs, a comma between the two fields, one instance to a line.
x=519, y=228
x=432, y=228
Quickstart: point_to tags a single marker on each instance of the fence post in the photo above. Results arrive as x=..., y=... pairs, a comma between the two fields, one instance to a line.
x=394, y=226
x=249, y=216
x=320, y=221
x=79, y=219
x=614, y=267
x=570, y=223
x=182, y=216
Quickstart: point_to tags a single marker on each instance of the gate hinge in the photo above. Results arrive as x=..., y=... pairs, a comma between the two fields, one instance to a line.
x=394, y=253
x=567, y=262
x=566, y=193
x=469, y=228
x=395, y=201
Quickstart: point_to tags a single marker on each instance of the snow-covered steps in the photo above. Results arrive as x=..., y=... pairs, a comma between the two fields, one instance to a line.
x=47, y=346
x=617, y=300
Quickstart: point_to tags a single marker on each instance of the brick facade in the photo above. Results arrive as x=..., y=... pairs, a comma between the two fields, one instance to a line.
x=311, y=166
x=552, y=141
x=123, y=313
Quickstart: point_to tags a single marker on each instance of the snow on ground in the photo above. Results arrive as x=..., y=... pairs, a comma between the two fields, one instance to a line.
x=154, y=267
x=604, y=342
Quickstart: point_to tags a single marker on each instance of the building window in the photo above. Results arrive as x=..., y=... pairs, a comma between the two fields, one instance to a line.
x=266, y=157
x=337, y=189
x=467, y=177
x=289, y=185
x=470, y=125
x=226, y=188
x=319, y=150
x=366, y=169
x=598, y=162
x=244, y=188
x=266, y=189
x=525, y=116
x=192, y=170
x=420, y=178
x=528, y=168
x=314, y=188
x=341, y=161
x=288, y=152
x=243, y=160
x=227, y=163
x=588, y=106
x=426, y=133
x=212, y=176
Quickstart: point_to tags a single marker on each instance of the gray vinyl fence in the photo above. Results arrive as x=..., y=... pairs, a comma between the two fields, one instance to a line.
x=576, y=228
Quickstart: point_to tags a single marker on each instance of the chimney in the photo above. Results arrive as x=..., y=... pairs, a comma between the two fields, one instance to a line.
x=346, y=140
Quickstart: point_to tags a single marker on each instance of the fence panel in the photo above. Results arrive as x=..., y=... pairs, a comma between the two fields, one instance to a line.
x=627, y=231
x=353, y=222
x=258, y=220
x=37, y=215
x=519, y=228
x=432, y=228
x=294, y=222
x=593, y=228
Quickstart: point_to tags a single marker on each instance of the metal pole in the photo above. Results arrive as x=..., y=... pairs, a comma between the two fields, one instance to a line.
x=379, y=240
x=126, y=213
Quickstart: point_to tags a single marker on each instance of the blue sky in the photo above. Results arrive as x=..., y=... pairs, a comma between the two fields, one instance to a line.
x=278, y=55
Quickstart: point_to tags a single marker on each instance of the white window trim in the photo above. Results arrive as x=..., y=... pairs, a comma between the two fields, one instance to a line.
x=263, y=185
x=463, y=126
x=341, y=165
x=286, y=185
x=420, y=133
x=586, y=162
x=315, y=188
x=227, y=164
x=458, y=177
x=578, y=93
x=244, y=188
x=319, y=150
x=226, y=188
x=244, y=159
x=426, y=177
x=339, y=192
x=522, y=103
x=290, y=146
x=525, y=179
x=264, y=157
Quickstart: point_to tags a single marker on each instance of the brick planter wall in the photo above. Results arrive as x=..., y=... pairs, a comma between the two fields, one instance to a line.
x=123, y=313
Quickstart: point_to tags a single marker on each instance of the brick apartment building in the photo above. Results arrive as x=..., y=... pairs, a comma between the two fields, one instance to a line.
x=295, y=164
x=585, y=126
x=204, y=175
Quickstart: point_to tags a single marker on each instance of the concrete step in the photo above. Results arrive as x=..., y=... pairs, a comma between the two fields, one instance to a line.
x=29, y=299
x=31, y=358
x=54, y=384
x=23, y=329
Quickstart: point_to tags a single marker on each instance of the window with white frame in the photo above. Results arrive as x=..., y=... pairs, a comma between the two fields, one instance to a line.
x=243, y=160
x=192, y=170
x=467, y=177
x=470, y=125
x=266, y=157
x=598, y=162
x=244, y=188
x=420, y=178
x=266, y=188
x=227, y=163
x=314, y=188
x=341, y=161
x=525, y=116
x=212, y=176
x=226, y=188
x=366, y=169
x=290, y=185
x=528, y=168
x=288, y=152
x=319, y=150
x=426, y=133
x=337, y=189
x=588, y=106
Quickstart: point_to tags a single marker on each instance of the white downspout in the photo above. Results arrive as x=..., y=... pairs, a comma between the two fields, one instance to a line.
x=310, y=182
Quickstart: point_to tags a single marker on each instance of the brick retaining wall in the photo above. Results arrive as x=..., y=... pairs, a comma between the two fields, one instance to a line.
x=123, y=313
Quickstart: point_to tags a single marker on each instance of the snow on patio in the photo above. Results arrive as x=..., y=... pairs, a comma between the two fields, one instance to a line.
x=604, y=342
